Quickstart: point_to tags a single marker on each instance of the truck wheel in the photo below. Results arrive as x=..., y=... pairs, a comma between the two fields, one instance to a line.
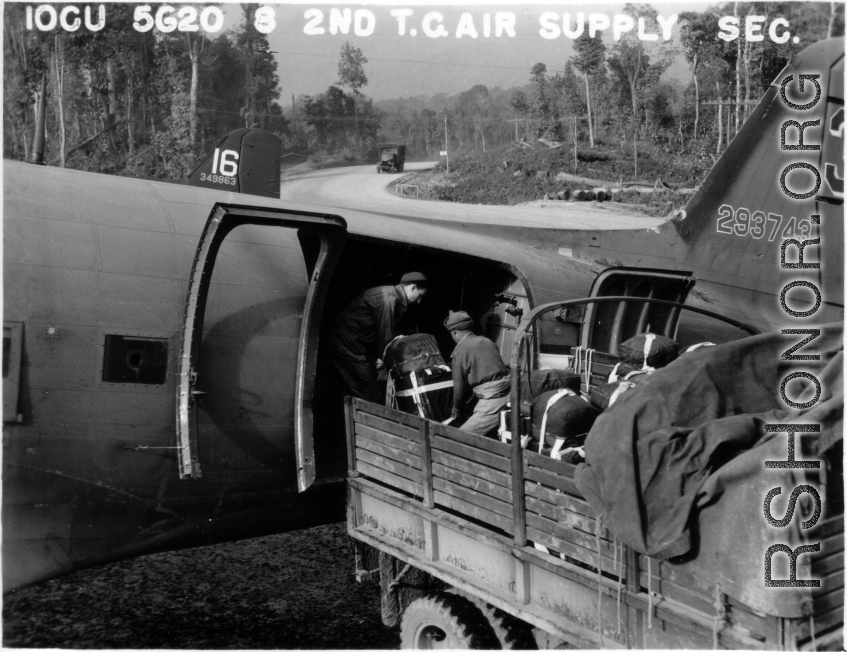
x=511, y=633
x=444, y=621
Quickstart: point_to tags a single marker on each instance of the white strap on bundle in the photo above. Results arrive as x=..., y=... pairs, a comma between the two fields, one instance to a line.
x=390, y=395
x=614, y=375
x=556, y=448
x=558, y=455
x=551, y=401
x=694, y=347
x=417, y=390
x=648, y=344
x=620, y=389
x=415, y=395
x=503, y=430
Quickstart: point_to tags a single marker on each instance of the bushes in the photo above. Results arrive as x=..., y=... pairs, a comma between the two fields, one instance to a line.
x=509, y=175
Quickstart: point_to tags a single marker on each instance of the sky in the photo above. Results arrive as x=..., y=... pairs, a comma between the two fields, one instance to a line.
x=415, y=64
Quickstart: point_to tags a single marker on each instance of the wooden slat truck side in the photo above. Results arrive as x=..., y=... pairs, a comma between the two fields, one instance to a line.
x=451, y=511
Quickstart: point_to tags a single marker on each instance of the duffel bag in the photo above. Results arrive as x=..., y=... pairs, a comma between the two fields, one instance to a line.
x=427, y=393
x=649, y=349
x=408, y=353
x=545, y=380
x=604, y=396
x=561, y=418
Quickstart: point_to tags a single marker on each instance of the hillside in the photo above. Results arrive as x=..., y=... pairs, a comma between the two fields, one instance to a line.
x=512, y=175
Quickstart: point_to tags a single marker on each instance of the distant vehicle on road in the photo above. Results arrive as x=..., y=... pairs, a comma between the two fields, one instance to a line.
x=391, y=158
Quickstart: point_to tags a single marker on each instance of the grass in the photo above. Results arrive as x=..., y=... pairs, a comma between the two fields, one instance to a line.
x=511, y=175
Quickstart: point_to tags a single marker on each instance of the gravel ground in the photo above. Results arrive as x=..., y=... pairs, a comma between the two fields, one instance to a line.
x=289, y=591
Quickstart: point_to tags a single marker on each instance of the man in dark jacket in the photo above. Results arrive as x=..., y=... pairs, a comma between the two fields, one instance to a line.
x=478, y=368
x=365, y=327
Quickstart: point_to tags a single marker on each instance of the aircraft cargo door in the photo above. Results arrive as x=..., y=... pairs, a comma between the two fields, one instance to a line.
x=249, y=345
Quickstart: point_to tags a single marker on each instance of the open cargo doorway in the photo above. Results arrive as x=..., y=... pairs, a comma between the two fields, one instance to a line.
x=494, y=293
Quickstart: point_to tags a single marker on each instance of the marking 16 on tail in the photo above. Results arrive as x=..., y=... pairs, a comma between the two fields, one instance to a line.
x=245, y=161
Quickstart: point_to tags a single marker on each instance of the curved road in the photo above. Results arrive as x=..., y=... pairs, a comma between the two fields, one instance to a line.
x=361, y=188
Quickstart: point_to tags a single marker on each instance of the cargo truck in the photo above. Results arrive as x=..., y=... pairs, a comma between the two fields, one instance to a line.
x=479, y=543
x=392, y=158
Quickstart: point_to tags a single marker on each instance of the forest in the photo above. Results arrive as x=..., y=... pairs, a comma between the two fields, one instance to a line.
x=148, y=104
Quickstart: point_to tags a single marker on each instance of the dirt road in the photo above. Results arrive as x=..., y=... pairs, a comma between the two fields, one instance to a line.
x=360, y=188
x=293, y=590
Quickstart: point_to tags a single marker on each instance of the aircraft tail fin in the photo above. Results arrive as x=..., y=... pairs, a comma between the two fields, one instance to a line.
x=760, y=192
x=749, y=173
x=245, y=161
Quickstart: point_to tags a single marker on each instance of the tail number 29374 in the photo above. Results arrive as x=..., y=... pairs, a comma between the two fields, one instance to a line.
x=742, y=222
x=224, y=168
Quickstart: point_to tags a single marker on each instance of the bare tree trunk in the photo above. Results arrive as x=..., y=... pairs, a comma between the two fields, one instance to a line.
x=129, y=132
x=696, y=98
x=113, y=94
x=747, y=55
x=26, y=143
x=195, y=47
x=635, y=152
x=575, y=144
x=192, y=103
x=720, y=119
x=633, y=82
x=588, y=103
x=152, y=123
x=355, y=110
x=738, y=58
x=60, y=103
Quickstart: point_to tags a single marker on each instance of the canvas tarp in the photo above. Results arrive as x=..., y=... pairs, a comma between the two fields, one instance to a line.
x=676, y=466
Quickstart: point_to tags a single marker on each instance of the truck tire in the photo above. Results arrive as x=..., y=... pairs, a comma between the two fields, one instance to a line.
x=511, y=633
x=445, y=621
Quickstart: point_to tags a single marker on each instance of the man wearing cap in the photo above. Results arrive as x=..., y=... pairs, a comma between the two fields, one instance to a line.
x=477, y=368
x=365, y=327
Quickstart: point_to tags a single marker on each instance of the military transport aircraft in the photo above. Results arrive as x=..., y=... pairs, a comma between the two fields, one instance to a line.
x=164, y=383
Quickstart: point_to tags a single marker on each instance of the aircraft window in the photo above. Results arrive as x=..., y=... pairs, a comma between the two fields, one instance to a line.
x=135, y=360
x=12, y=348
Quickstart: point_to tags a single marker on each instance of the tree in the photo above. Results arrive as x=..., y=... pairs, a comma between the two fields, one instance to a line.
x=698, y=34
x=195, y=43
x=351, y=73
x=543, y=114
x=589, y=60
x=261, y=82
x=631, y=62
x=475, y=109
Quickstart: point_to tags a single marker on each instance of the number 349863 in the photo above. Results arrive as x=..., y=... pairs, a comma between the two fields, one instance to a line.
x=217, y=178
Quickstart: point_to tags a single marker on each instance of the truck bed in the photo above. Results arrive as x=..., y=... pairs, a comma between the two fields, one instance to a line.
x=469, y=510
